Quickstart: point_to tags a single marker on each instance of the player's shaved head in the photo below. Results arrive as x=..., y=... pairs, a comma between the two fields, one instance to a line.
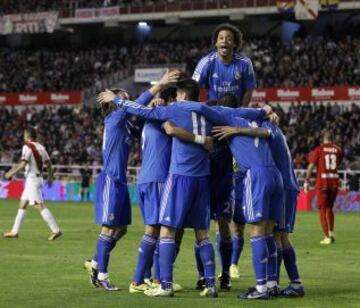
x=238, y=36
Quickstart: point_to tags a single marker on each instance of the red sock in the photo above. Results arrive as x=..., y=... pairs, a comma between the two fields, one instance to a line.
x=331, y=218
x=323, y=221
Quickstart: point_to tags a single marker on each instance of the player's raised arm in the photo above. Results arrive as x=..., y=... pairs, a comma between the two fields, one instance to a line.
x=183, y=134
x=168, y=78
x=255, y=114
x=222, y=132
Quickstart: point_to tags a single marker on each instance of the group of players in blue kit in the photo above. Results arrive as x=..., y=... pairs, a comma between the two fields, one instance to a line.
x=184, y=181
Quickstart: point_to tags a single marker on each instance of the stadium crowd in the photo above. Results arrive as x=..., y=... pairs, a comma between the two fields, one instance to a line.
x=277, y=64
x=63, y=129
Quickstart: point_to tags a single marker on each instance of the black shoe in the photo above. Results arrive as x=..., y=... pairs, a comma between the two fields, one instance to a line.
x=225, y=282
x=201, y=284
x=274, y=291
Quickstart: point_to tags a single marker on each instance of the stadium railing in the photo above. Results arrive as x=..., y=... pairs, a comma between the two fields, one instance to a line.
x=72, y=173
x=179, y=6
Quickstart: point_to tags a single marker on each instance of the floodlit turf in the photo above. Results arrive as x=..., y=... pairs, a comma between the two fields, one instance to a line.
x=38, y=273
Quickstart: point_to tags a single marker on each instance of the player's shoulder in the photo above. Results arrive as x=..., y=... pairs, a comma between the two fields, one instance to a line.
x=210, y=57
x=242, y=59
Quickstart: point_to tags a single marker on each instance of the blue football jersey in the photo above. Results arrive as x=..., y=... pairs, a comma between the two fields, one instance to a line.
x=116, y=145
x=156, y=152
x=187, y=158
x=220, y=79
x=117, y=140
x=249, y=152
x=282, y=156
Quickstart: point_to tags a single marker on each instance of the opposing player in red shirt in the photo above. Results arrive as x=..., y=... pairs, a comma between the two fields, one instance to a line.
x=325, y=158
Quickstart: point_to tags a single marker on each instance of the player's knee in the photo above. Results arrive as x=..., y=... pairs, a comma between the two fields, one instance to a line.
x=39, y=206
x=239, y=230
x=224, y=228
x=167, y=232
x=285, y=241
x=120, y=232
x=152, y=230
x=201, y=235
x=258, y=228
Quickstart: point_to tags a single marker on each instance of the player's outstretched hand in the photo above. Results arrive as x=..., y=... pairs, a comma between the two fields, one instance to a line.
x=157, y=102
x=169, y=128
x=171, y=76
x=209, y=144
x=105, y=97
x=274, y=118
x=221, y=132
x=268, y=109
x=7, y=175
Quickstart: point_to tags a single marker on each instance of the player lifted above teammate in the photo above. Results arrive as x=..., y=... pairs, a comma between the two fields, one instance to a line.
x=326, y=158
x=225, y=73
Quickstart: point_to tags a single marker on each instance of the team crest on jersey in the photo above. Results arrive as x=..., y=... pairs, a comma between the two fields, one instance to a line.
x=237, y=75
x=112, y=217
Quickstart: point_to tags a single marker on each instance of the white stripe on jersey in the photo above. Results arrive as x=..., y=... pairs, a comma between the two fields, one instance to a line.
x=106, y=194
x=203, y=125
x=195, y=123
x=165, y=197
x=205, y=61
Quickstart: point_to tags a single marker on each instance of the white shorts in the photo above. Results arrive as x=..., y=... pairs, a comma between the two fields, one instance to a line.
x=33, y=190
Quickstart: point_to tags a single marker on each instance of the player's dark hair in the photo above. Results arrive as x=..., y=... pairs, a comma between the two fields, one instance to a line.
x=31, y=132
x=228, y=100
x=212, y=103
x=238, y=36
x=168, y=94
x=108, y=108
x=191, y=88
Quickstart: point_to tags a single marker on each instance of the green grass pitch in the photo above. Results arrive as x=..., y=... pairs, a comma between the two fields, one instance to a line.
x=38, y=273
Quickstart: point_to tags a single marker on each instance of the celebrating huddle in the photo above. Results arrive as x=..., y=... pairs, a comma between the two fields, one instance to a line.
x=186, y=178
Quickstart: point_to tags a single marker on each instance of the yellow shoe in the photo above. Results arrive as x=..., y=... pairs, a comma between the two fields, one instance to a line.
x=326, y=241
x=159, y=292
x=140, y=288
x=54, y=236
x=177, y=287
x=209, y=292
x=10, y=234
x=234, y=271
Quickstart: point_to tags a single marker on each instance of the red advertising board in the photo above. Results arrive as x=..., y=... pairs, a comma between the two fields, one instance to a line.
x=40, y=98
x=306, y=94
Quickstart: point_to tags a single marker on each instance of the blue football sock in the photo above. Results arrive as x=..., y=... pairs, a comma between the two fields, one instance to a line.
x=167, y=252
x=207, y=254
x=238, y=245
x=103, y=249
x=218, y=240
x=289, y=257
x=272, y=264
x=178, y=245
x=156, y=262
x=147, y=273
x=145, y=255
x=279, y=261
x=199, y=263
x=226, y=249
x=259, y=257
